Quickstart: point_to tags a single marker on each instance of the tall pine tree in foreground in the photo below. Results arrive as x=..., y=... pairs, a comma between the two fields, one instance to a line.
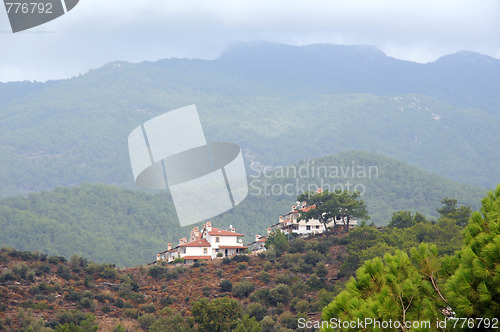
x=418, y=287
x=399, y=288
x=474, y=289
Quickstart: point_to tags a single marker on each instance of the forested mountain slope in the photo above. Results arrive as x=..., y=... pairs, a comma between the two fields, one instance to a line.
x=280, y=103
x=126, y=227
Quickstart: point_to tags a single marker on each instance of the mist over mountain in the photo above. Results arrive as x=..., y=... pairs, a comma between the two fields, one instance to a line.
x=280, y=103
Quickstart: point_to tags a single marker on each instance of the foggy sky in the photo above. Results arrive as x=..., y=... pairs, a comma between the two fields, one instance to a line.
x=99, y=31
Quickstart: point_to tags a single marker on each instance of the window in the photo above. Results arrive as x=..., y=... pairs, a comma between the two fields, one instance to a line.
x=205, y=250
x=308, y=228
x=317, y=226
x=217, y=239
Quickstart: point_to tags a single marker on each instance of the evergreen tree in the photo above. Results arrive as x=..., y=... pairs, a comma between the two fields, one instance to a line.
x=330, y=206
x=397, y=288
x=449, y=210
x=473, y=290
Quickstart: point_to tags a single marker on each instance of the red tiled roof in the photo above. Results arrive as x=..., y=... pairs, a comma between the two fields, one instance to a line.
x=233, y=247
x=197, y=243
x=220, y=232
x=261, y=240
x=197, y=257
x=308, y=208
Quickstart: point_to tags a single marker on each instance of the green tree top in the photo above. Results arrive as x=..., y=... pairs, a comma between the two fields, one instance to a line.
x=449, y=210
x=473, y=290
x=329, y=206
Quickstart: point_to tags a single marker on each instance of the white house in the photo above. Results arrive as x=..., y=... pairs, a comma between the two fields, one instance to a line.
x=259, y=245
x=205, y=245
x=288, y=223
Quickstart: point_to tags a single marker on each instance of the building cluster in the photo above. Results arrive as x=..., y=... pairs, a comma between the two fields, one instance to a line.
x=211, y=243
x=207, y=244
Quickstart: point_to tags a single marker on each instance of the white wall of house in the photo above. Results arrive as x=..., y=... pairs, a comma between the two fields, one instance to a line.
x=194, y=251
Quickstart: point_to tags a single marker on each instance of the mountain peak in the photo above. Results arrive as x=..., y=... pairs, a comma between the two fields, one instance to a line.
x=265, y=49
x=468, y=58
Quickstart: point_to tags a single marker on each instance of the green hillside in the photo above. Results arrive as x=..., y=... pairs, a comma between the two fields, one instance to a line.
x=110, y=224
x=439, y=117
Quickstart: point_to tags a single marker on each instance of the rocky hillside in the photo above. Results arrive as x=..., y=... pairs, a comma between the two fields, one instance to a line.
x=263, y=291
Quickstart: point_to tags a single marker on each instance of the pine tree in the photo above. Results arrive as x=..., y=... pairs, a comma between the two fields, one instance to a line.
x=397, y=288
x=474, y=289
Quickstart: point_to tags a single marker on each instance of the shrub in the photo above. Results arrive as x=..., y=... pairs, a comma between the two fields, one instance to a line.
x=219, y=273
x=302, y=306
x=306, y=268
x=156, y=272
x=298, y=245
x=102, y=298
x=265, y=277
x=321, y=270
x=20, y=270
x=268, y=323
x=85, y=303
x=119, y=303
x=150, y=308
x=178, y=260
x=7, y=275
x=313, y=257
x=108, y=273
x=241, y=258
x=260, y=295
x=243, y=289
x=267, y=266
x=146, y=320
x=256, y=310
x=64, y=272
x=314, y=282
x=226, y=286
x=166, y=301
x=72, y=317
x=288, y=320
x=323, y=298
x=106, y=309
x=298, y=290
x=53, y=260
x=42, y=269
x=226, y=260
x=132, y=313
x=73, y=296
x=242, y=266
x=283, y=278
x=280, y=294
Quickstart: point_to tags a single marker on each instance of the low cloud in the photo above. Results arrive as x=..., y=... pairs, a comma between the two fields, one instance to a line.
x=96, y=31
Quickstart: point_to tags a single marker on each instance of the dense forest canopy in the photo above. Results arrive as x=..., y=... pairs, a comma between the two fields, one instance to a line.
x=74, y=131
x=127, y=227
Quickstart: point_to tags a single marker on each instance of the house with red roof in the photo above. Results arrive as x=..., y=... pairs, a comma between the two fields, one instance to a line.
x=207, y=244
x=289, y=223
x=259, y=245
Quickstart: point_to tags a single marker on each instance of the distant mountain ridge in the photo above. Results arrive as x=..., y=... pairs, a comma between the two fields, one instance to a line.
x=280, y=103
x=327, y=68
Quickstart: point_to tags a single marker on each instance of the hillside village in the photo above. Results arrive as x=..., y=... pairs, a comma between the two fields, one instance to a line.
x=300, y=280
x=211, y=243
